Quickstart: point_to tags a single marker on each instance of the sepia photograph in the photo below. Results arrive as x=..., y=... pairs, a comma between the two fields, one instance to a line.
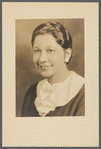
x=50, y=83
x=50, y=67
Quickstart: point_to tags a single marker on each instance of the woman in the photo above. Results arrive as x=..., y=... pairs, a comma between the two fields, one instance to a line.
x=61, y=93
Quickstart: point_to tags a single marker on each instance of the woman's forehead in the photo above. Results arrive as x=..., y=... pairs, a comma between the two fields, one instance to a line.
x=44, y=37
x=45, y=40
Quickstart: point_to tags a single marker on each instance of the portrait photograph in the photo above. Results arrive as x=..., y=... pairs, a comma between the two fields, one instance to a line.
x=50, y=61
x=61, y=89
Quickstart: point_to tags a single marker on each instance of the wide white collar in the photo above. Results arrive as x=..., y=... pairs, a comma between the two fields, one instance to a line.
x=51, y=96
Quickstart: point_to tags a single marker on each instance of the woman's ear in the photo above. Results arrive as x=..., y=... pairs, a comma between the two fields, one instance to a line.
x=68, y=53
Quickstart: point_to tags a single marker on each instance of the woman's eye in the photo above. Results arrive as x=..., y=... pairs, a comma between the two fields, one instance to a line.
x=50, y=50
x=36, y=51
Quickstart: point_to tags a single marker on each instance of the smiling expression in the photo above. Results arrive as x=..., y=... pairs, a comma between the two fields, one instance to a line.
x=48, y=56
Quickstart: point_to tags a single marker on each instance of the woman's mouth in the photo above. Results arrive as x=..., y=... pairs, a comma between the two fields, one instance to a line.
x=45, y=67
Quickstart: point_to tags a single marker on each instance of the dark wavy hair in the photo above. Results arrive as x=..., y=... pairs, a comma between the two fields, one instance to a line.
x=57, y=30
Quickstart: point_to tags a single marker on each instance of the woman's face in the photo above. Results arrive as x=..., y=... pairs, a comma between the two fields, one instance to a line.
x=48, y=55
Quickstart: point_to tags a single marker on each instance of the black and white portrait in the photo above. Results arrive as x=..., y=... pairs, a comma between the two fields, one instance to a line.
x=50, y=92
x=50, y=67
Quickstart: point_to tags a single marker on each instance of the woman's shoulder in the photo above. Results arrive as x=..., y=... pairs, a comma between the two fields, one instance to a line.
x=76, y=85
x=31, y=90
x=76, y=106
x=81, y=92
x=33, y=86
x=28, y=100
x=77, y=78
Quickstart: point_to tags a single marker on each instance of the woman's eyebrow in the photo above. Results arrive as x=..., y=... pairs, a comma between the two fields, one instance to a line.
x=46, y=48
x=51, y=47
x=35, y=48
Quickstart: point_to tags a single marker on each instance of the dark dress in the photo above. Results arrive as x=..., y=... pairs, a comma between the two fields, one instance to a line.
x=75, y=107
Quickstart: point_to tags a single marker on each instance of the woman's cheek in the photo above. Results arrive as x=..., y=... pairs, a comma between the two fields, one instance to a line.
x=35, y=59
x=52, y=57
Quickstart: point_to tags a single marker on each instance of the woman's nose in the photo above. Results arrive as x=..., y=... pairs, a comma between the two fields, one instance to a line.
x=43, y=57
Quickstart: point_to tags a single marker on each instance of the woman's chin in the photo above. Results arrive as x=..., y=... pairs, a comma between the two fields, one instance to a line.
x=45, y=74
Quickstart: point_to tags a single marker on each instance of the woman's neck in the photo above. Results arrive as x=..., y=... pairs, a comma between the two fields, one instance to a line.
x=59, y=77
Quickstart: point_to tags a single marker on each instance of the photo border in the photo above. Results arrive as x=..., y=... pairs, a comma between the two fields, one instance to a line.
x=1, y=65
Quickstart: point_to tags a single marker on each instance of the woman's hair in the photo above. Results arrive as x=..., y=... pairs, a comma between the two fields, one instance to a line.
x=57, y=30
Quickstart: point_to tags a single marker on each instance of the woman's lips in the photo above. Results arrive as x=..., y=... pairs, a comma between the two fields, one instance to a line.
x=44, y=67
